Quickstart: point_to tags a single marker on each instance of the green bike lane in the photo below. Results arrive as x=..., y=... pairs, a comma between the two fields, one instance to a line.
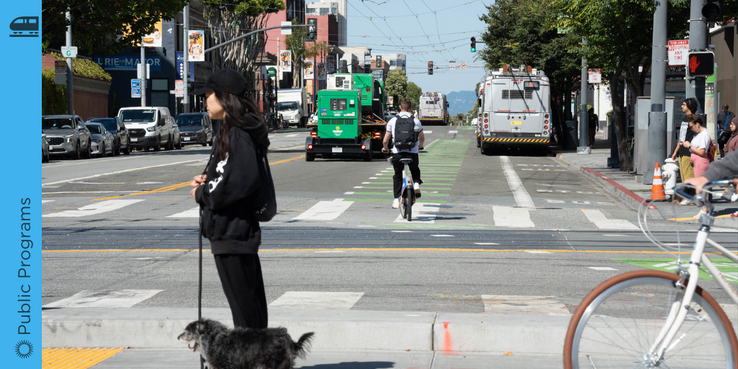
x=439, y=167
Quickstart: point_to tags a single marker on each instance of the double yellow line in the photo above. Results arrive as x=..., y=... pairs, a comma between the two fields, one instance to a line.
x=183, y=184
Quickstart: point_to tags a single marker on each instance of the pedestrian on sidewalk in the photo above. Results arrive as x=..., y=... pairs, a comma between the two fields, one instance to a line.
x=732, y=144
x=724, y=118
x=684, y=134
x=594, y=123
x=699, y=144
x=226, y=191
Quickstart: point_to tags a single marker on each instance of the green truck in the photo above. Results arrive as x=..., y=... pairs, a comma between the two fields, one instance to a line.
x=350, y=118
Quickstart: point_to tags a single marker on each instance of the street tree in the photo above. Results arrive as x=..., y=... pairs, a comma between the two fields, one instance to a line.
x=413, y=93
x=102, y=26
x=396, y=83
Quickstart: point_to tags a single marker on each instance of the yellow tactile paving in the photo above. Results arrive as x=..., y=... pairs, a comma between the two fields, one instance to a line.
x=75, y=358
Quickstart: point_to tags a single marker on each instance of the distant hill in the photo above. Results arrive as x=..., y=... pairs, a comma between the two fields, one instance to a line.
x=460, y=101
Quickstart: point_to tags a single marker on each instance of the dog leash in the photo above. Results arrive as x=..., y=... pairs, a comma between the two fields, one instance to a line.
x=199, y=284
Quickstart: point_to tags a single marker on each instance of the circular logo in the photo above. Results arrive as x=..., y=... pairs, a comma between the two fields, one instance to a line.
x=24, y=349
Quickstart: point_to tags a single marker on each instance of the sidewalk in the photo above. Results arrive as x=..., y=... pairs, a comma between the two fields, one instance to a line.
x=348, y=339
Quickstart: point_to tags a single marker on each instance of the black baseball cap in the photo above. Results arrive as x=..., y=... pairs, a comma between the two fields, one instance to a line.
x=224, y=80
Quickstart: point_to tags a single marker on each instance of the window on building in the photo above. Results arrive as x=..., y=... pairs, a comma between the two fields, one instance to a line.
x=323, y=11
x=311, y=11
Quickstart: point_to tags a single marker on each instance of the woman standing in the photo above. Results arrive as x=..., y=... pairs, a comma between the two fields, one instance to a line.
x=699, y=144
x=226, y=192
x=732, y=144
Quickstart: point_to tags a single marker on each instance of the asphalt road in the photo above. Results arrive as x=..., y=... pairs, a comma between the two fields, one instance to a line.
x=508, y=224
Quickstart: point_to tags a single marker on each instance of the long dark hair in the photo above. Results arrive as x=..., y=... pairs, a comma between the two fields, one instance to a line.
x=236, y=108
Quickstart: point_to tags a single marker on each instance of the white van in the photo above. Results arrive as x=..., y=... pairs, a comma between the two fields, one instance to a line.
x=148, y=126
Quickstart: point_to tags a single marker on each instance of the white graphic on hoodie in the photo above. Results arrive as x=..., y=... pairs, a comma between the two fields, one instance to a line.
x=218, y=169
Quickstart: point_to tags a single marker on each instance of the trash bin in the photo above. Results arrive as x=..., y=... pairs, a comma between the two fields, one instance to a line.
x=571, y=137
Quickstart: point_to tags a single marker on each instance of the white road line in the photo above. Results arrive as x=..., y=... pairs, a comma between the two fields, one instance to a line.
x=599, y=219
x=537, y=252
x=522, y=198
x=119, y=172
x=486, y=243
x=317, y=300
x=423, y=213
x=325, y=210
x=505, y=216
x=111, y=299
x=292, y=135
x=192, y=213
x=602, y=268
x=523, y=304
x=93, y=209
x=45, y=201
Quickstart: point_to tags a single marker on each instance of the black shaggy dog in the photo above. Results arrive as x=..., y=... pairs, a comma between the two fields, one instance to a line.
x=243, y=348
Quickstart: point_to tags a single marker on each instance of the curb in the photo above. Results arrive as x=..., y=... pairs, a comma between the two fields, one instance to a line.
x=335, y=330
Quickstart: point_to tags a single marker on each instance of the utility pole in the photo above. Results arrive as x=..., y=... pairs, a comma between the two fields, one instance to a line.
x=70, y=73
x=657, y=116
x=143, y=74
x=186, y=48
x=697, y=42
x=583, y=124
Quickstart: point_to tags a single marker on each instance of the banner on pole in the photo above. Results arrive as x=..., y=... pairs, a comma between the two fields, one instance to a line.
x=154, y=39
x=196, y=46
x=285, y=61
x=309, y=71
x=321, y=71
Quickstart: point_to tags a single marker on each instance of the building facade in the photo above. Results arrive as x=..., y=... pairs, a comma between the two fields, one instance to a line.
x=337, y=8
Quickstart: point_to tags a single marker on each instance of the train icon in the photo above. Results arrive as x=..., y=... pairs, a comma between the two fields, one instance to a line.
x=24, y=27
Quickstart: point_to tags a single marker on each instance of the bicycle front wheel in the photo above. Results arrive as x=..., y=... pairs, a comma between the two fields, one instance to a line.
x=408, y=204
x=618, y=322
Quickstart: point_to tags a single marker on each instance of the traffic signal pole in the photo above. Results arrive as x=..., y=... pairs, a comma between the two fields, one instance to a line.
x=70, y=73
x=695, y=86
x=657, y=150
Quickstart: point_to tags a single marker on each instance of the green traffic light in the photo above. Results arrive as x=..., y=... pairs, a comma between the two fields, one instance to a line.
x=473, y=49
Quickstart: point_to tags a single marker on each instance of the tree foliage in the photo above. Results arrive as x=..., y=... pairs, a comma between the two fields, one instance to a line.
x=413, y=93
x=396, y=83
x=102, y=26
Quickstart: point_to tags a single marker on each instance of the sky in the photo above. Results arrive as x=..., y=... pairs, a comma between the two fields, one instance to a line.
x=423, y=30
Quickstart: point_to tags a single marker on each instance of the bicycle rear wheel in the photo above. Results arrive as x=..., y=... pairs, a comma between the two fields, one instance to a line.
x=617, y=323
x=402, y=204
x=408, y=200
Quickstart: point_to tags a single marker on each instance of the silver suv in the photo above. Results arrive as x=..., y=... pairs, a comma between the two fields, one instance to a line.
x=67, y=135
x=148, y=126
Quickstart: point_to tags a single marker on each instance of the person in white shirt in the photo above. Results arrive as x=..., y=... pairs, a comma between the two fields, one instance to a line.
x=405, y=106
x=699, y=144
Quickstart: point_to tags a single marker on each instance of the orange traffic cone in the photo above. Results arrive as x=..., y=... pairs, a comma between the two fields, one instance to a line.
x=657, y=188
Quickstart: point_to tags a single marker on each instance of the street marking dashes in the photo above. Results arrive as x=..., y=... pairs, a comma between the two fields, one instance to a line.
x=523, y=304
x=318, y=300
x=325, y=210
x=94, y=209
x=602, y=222
x=108, y=299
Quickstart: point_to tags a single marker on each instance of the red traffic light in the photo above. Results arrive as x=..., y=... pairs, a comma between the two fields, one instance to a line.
x=701, y=64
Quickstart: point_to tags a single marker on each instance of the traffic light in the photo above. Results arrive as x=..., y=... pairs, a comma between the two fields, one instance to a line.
x=379, y=61
x=712, y=10
x=430, y=67
x=473, y=44
x=701, y=64
x=312, y=32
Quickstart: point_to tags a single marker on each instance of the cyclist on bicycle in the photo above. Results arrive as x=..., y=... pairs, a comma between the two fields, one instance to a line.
x=404, y=119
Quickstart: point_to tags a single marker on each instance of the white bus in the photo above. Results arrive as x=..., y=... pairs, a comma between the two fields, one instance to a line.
x=433, y=109
x=514, y=109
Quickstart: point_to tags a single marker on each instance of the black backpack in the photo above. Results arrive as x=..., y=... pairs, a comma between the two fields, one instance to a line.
x=265, y=202
x=405, y=136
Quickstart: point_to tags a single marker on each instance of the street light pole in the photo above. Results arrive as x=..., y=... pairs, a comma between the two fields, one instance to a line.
x=583, y=124
x=697, y=42
x=186, y=57
x=70, y=73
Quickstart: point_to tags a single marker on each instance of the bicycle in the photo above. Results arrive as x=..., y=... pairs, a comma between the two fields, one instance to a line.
x=655, y=319
x=407, y=193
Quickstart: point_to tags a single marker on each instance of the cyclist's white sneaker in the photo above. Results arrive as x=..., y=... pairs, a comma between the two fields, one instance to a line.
x=396, y=204
x=416, y=187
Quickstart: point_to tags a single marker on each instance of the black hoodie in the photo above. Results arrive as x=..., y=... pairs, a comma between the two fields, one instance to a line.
x=228, y=218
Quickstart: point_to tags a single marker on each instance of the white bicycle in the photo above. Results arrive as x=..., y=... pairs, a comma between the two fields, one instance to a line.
x=655, y=319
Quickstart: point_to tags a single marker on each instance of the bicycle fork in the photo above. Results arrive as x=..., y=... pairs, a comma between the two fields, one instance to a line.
x=679, y=309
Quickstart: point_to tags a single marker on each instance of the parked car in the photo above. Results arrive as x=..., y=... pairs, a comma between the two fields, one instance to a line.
x=45, y=156
x=121, y=137
x=196, y=128
x=67, y=135
x=102, y=140
x=148, y=126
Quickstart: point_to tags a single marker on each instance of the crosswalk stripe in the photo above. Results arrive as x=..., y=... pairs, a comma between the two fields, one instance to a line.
x=506, y=216
x=325, y=210
x=94, y=209
x=317, y=300
x=192, y=213
x=601, y=221
x=522, y=198
x=111, y=299
x=523, y=304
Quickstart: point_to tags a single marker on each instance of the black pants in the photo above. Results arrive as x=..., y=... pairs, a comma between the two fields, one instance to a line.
x=414, y=170
x=243, y=285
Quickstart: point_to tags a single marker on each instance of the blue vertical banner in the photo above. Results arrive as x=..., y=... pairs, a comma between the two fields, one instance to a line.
x=20, y=225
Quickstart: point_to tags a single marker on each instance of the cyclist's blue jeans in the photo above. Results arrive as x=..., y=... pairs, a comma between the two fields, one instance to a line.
x=414, y=170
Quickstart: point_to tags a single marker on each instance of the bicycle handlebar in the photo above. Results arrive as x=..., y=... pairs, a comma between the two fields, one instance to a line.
x=703, y=198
